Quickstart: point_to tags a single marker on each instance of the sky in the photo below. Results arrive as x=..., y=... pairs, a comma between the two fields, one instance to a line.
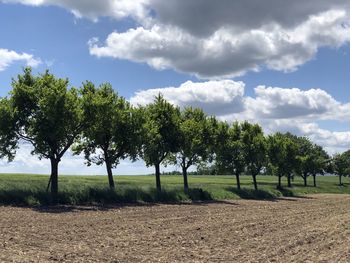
x=282, y=64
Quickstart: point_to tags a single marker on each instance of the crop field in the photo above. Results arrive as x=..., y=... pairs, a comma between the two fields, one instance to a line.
x=311, y=229
x=24, y=189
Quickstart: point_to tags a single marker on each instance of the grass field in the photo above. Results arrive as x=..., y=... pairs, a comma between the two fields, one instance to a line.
x=25, y=189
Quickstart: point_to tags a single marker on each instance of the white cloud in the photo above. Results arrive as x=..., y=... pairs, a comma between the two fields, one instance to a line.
x=8, y=57
x=216, y=39
x=279, y=103
x=293, y=103
x=215, y=97
x=226, y=99
x=93, y=9
x=227, y=52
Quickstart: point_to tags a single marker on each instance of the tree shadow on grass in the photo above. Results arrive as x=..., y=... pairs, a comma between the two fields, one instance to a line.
x=101, y=198
x=245, y=193
x=273, y=195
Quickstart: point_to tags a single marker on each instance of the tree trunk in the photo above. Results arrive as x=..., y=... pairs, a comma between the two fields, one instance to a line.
x=289, y=180
x=314, y=176
x=184, y=174
x=305, y=179
x=340, y=182
x=254, y=181
x=279, y=181
x=110, y=174
x=54, y=181
x=238, y=181
x=48, y=185
x=159, y=188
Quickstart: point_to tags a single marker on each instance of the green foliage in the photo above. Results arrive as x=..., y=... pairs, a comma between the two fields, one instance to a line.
x=48, y=114
x=161, y=129
x=312, y=159
x=194, y=138
x=229, y=148
x=282, y=153
x=341, y=165
x=112, y=127
x=254, y=149
x=160, y=132
x=8, y=137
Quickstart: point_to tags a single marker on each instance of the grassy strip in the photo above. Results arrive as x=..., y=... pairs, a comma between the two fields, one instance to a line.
x=23, y=189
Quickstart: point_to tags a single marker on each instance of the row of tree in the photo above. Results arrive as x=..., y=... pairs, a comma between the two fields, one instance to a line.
x=45, y=112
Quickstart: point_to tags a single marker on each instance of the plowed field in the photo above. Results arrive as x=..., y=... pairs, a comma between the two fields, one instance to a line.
x=312, y=229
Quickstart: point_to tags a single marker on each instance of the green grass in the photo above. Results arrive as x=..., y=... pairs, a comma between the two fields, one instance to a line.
x=25, y=189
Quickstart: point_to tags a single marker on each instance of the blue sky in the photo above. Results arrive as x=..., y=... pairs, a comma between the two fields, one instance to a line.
x=216, y=59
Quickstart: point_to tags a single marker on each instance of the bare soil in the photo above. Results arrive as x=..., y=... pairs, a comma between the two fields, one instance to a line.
x=313, y=229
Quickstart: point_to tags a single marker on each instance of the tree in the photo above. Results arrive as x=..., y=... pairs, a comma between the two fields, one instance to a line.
x=48, y=115
x=230, y=150
x=282, y=153
x=312, y=159
x=341, y=165
x=112, y=132
x=254, y=149
x=318, y=161
x=194, y=140
x=160, y=133
x=304, y=158
x=8, y=137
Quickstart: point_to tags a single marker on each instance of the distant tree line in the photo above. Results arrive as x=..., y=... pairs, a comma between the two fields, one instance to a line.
x=53, y=117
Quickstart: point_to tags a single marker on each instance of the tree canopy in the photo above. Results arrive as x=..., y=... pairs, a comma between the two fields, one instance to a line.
x=254, y=149
x=112, y=128
x=8, y=136
x=194, y=138
x=341, y=165
x=48, y=115
x=160, y=133
x=282, y=153
x=230, y=150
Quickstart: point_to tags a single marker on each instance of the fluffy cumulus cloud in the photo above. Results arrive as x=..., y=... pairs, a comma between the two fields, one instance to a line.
x=275, y=102
x=8, y=57
x=216, y=39
x=215, y=97
x=212, y=39
x=93, y=9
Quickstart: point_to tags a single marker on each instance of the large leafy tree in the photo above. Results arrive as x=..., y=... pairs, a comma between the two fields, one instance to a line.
x=194, y=140
x=318, y=162
x=229, y=149
x=312, y=159
x=282, y=153
x=304, y=157
x=48, y=115
x=8, y=137
x=112, y=130
x=160, y=133
x=341, y=165
x=254, y=149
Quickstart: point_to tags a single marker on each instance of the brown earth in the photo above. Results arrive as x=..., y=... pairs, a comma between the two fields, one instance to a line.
x=313, y=229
